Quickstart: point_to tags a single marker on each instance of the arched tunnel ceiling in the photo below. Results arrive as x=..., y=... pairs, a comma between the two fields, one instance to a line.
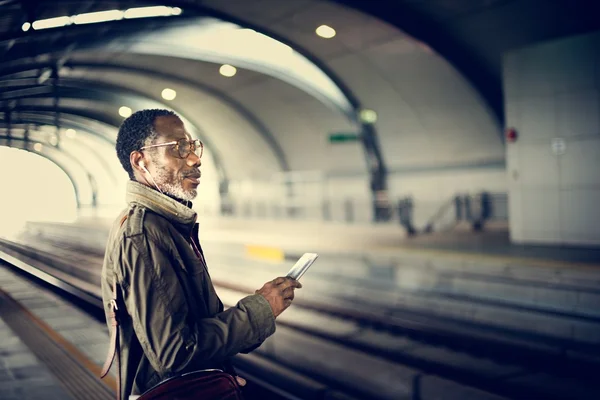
x=93, y=106
x=87, y=155
x=248, y=150
x=471, y=34
x=88, y=92
x=431, y=111
x=474, y=34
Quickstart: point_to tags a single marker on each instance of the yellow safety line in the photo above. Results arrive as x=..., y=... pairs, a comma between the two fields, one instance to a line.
x=265, y=252
x=278, y=254
x=57, y=338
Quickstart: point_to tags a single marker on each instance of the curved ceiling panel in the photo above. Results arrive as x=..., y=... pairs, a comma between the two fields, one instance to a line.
x=426, y=116
x=297, y=121
x=101, y=162
x=292, y=125
x=428, y=113
x=245, y=144
x=97, y=150
x=109, y=191
x=213, y=40
x=104, y=132
x=105, y=103
x=302, y=126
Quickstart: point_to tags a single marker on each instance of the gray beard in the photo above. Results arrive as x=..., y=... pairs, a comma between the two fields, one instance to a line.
x=173, y=188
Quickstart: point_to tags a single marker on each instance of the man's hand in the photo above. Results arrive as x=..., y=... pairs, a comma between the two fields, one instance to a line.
x=279, y=293
x=241, y=381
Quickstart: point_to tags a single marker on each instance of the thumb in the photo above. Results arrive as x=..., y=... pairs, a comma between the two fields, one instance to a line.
x=241, y=381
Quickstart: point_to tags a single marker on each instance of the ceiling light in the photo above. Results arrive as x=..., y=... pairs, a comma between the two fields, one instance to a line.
x=168, y=94
x=145, y=12
x=51, y=23
x=64, y=71
x=53, y=141
x=44, y=76
x=124, y=111
x=100, y=16
x=227, y=70
x=103, y=16
x=71, y=133
x=325, y=31
x=37, y=147
x=367, y=116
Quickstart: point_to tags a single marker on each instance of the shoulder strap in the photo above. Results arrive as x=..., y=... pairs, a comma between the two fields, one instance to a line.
x=113, y=349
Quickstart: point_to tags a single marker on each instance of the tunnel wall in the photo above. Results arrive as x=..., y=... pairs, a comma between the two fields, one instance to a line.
x=553, y=100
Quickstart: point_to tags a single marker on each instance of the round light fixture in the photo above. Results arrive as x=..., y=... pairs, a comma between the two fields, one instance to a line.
x=367, y=116
x=37, y=147
x=53, y=141
x=124, y=111
x=71, y=133
x=325, y=31
x=168, y=94
x=227, y=70
x=26, y=26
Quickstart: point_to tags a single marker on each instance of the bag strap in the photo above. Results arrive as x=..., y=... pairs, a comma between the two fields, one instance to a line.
x=114, y=345
x=113, y=349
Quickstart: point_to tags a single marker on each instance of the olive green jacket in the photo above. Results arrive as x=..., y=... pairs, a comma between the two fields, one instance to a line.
x=171, y=318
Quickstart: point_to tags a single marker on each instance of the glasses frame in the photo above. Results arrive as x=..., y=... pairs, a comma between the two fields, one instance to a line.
x=198, y=143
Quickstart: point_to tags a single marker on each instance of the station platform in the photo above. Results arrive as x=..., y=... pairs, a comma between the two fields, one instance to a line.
x=495, y=242
x=23, y=376
x=277, y=237
x=460, y=277
x=49, y=348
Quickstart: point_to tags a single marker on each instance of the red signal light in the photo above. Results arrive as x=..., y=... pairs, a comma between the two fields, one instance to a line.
x=511, y=135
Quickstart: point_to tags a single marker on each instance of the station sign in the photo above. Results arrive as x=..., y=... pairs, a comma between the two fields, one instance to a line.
x=343, y=137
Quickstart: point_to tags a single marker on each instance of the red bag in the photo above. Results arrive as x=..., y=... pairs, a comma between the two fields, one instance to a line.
x=198, y=385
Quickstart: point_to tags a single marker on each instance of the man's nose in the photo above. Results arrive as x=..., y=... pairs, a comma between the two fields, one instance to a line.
x=193, y=160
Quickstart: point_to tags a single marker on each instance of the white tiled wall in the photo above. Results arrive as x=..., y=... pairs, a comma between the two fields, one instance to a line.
x=552, y=90
x=579, y=166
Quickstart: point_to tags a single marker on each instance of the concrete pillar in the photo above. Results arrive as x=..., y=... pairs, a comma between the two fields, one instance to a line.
x=553, y=101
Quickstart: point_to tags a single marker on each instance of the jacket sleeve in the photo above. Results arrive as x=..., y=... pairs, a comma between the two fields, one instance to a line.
x=170, y=338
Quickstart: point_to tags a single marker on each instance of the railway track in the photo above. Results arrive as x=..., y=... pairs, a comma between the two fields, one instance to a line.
x=463, y=350
x=266, y=379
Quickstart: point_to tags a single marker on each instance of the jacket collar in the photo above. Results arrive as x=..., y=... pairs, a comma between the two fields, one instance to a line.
x=161, y=204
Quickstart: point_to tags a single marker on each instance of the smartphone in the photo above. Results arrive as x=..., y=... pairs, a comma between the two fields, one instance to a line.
x=302, y=265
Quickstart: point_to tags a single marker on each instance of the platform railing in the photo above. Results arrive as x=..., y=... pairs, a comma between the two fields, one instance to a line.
x=413, y=215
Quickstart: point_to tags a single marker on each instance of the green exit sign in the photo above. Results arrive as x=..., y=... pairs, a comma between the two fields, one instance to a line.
x=341, y=137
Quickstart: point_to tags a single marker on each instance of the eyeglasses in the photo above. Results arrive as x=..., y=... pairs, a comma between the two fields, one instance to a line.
x=183, y=147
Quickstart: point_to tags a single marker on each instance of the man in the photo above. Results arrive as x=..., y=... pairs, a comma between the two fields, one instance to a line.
x=170, y=318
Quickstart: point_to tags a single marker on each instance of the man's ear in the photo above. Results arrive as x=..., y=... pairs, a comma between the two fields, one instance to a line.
x=136, y=159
